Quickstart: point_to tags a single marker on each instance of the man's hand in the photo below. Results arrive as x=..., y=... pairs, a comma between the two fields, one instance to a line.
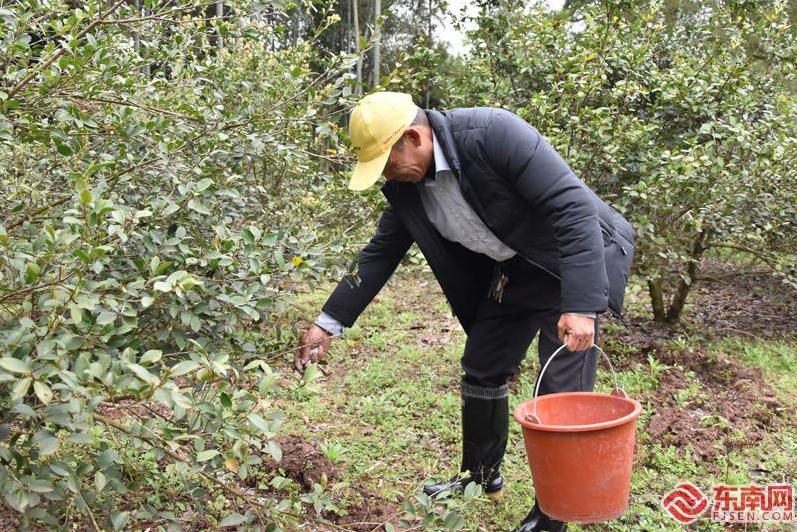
x=312, y=347
x=577, y=332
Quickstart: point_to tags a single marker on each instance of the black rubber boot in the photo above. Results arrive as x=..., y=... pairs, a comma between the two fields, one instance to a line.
x=485, y=427
x=537, y=521
x=492, y=487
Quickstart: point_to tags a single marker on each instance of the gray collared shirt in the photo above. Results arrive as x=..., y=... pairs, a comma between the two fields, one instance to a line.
x=451, y=214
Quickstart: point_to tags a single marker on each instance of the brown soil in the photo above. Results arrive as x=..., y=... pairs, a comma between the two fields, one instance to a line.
x=304, y=462
x=733, y=408
x=729, y=406
x=755, y=303
x=368, y=514
x=727, y=301
x=7, y=521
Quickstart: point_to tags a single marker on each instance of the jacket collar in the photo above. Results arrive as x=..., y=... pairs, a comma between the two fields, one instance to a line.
x=444, y=137
x=440, y=161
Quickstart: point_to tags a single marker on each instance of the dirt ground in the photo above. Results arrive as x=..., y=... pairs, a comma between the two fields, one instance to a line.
x=751, y=303
x=305, y=463
x=734, y=405
x=733, y=408
x=730, y=408
x=726, y=302
x=708, y=402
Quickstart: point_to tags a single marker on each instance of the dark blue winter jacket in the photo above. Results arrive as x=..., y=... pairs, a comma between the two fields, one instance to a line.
x=530, y=199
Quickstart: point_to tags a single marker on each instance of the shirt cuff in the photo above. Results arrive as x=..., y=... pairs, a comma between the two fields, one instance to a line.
x=329, y=324
x=592, y=315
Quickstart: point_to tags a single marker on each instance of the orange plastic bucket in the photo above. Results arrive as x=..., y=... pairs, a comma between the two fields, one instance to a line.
x=580, y=447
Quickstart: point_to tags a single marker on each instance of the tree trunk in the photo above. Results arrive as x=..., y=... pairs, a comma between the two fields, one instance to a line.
x=356, y=15
x=656, y=291
x=686, y=282
x=219, y=15
x=429, y=43
x=377, y=75
x=347, y=36
x=140, y=11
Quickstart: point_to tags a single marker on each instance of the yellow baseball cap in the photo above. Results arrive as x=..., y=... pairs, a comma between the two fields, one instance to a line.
x=376, y=123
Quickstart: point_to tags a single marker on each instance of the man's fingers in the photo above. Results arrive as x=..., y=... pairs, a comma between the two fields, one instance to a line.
x=309, y=354
x=303, y=354
x=585, y=343
x=571, y=342
x=314, y=345
x=576, y=342
x=301, y=360
x=576, y=332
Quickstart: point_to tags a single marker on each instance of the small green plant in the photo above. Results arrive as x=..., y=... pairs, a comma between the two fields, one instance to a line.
x=668, y=461
x=333, y=451
x=714, y=421
x=321, y=499
x=685, y=395
x=308, y=385
x=680, y=344
x=656, y=367
x=634, y=382
x=441, y=512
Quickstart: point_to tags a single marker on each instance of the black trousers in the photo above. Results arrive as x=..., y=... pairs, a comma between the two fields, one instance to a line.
x=502, y=332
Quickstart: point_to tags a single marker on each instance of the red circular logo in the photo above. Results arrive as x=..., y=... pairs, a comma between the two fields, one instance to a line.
x=685, y=503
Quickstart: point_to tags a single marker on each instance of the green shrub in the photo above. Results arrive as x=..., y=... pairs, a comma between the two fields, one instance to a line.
x=158, y=202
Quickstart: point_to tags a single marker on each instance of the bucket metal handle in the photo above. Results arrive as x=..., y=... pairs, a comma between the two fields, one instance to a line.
x=617, y=391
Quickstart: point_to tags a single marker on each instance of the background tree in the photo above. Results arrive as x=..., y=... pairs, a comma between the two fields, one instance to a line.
x=688, y=127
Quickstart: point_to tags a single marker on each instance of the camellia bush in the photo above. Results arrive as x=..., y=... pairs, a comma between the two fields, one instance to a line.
x=159, y=166
x=683, y=120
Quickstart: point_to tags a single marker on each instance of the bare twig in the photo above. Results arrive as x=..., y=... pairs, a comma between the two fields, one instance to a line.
x=25, y=291
x=143, y=107
x=756, y=254
x=93, y=520
x=232, y=490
